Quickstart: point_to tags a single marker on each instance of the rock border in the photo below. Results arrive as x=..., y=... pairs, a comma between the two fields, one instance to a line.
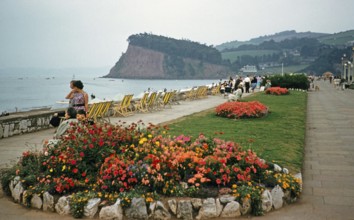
x=224, y=206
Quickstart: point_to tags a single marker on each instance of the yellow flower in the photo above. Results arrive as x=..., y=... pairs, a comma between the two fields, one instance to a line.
x=234, y=186
x=64, y=167
x=149, y=136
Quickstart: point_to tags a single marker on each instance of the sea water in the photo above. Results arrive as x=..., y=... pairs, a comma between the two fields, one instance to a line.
x=28, y=89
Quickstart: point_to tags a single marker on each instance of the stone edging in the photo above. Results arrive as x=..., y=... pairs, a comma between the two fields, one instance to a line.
x=224, y=206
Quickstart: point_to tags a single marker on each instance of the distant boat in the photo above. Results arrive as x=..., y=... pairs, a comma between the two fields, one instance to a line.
x=47, y=78
x=20, y=78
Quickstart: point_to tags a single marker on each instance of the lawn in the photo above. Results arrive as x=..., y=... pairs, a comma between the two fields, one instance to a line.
x=279, y=137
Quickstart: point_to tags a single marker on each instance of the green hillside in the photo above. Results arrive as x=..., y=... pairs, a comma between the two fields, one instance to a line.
x=338, y=39
x=234, y=55
x=275, y=37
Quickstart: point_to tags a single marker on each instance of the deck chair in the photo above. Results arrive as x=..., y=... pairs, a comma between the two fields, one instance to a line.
x=103, y=112
x=99, y=111
x=151, y=101
x=122, y=108
x=141, y=105
x=166, y=99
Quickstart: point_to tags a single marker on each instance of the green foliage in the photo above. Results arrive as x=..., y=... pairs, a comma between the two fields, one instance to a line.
x=262, y=55
x=173, y=47
x=6, y=175
x=337, y=39
x=78, y=202
x=295, y=81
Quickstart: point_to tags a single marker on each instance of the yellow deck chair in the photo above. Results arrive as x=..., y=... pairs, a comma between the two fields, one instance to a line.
x=141, y=105
x=166, y=99
x=151, y=101
x=122, y=108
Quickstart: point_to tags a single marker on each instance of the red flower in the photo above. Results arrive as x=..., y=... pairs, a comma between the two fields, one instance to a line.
x=241, y=110
x=75, y=170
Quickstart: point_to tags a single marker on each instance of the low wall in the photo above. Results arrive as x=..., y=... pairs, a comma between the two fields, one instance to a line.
x=25, y=122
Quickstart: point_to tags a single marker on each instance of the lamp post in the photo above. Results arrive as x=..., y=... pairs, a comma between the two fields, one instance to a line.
x=344, y=64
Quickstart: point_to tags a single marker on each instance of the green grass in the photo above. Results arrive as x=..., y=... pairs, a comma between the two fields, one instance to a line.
x=278, y=137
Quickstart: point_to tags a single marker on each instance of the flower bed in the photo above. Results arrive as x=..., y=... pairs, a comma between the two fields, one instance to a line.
x=116, y=162
x=241, y=110
x=277, y=91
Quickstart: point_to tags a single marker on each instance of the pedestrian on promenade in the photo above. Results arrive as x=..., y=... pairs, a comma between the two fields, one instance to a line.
x=247, y=82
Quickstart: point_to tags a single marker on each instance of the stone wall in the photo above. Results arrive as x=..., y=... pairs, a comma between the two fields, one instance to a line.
x=25, y=122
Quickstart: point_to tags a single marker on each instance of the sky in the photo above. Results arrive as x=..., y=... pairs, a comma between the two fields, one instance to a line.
x=94, y=33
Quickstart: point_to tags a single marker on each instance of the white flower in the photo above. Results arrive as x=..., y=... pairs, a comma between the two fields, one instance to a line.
x=286, y=171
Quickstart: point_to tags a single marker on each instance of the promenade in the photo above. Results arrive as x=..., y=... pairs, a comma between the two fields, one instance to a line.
x=328, y=169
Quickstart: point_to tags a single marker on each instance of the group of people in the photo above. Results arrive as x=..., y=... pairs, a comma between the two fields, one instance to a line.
x=234, y=88
x=77, y=110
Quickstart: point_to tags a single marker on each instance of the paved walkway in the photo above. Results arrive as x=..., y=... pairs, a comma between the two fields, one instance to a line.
x=328, y=170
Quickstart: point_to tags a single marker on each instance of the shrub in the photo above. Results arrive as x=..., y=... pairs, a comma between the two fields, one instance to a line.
x=241, y=110
x=295, y=81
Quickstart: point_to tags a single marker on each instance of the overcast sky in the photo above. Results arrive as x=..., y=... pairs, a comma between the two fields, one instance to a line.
x=93, y=33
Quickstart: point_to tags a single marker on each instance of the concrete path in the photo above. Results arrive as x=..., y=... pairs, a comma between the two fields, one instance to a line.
x=328, y=170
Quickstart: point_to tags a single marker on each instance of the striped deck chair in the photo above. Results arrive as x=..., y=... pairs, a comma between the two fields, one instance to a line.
x=141, y=105
x=122, y=108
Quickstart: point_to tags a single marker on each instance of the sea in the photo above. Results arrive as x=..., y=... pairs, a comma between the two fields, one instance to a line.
x=29, y=89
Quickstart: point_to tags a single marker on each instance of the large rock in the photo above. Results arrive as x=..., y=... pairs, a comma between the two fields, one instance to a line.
x=173, y=206
x=63, y=205
x=36, y=202
x=224, y=199
x=159, y=211
x=91, y=207
x=211, y=208
x=17, y=192
x=246, y=206
x=267, y=202
x=196, y=202
x=137, y=209
x=185, y=210
x=231, y=210
x=277, y=197
x=114, y=211
x=48, y=202
x=277, y=168
x=13, y=183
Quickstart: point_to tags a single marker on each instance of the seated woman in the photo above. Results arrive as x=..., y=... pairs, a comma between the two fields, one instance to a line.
x=236, y=95
x=70, y=117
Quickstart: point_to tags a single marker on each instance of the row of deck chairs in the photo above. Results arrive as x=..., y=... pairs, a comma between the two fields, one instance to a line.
x=197, y=93
x=99, y=111
x=149, y=102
